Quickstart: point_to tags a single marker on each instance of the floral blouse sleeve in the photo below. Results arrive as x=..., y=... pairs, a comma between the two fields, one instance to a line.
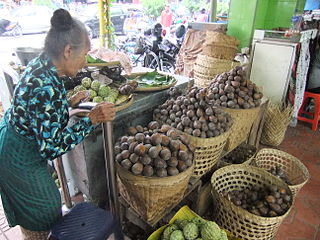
x=40, y=112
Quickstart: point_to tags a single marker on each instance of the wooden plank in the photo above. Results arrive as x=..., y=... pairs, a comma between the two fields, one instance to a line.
x=256, y=129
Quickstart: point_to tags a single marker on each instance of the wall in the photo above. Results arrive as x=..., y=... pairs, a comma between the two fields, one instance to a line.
x=241, y=19
x=247, y=15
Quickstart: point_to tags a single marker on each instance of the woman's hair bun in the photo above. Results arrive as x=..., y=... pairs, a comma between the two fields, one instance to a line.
x=61, y=20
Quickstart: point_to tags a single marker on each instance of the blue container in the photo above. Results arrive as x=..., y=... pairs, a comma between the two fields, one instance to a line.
x=84, y=222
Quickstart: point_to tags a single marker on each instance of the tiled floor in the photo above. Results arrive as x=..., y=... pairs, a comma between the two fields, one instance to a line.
x=303, y=223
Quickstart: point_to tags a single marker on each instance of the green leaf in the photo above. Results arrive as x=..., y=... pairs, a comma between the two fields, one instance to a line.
x=90, y=59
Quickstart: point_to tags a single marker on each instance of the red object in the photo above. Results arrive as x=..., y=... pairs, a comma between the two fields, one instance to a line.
x=166, y=18
x=315, y=115
x=164, y=32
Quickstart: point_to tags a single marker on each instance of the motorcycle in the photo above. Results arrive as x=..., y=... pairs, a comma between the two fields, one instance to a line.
x=9, y=28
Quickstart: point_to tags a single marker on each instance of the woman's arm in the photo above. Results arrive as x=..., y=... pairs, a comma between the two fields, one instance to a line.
x=48, y=122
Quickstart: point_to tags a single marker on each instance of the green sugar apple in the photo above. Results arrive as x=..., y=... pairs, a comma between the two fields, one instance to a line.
x=93, y=94
x=86, y=82
x=97, y=99
x=104, y=91
x=167, y=232
x=191, y=231
x=210, y=230
x=177, y=235
x=79, y=88
x=95, y=85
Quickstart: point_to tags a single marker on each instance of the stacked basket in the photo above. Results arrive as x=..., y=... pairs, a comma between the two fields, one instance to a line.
x=218, y=52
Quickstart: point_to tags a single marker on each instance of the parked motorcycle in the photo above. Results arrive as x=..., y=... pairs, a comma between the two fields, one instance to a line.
x=8, y=28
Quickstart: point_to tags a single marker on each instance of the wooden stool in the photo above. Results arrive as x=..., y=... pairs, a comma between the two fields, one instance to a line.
x=316, y=115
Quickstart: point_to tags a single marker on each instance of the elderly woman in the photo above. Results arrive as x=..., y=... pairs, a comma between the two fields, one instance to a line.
x=35, y=129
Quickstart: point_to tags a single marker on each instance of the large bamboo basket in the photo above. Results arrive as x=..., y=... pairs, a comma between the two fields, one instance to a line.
x=218, y=50
x=207, y=150
x=243, y=120
x=218, y=37
x=238, y=221
x=276, y=124
x=296, y=172
x=150, y=197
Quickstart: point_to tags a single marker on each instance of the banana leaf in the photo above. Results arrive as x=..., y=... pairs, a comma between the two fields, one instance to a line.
x=91, y=59
x=154, y=79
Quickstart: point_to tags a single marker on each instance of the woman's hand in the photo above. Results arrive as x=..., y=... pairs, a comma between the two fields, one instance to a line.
x=103, y=112
x=78, y=97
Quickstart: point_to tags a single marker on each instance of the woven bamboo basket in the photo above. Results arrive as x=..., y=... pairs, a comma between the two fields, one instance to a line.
x=238, y=221
x=248, y=161
x=218, y=50
x=207, y=151
x=243, y=120
x=293, y=168
x=206, y=69
x=151, y=197
x=218, y=37
x=276, y=124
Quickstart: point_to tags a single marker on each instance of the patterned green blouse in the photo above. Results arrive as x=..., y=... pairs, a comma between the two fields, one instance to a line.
x=40, y=110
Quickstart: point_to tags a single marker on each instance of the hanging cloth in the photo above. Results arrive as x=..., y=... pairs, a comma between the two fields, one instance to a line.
x=302, y=72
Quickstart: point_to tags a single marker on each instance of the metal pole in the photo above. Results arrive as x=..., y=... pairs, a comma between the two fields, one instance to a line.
x=110, y=170
x=102, y=24
x=213, y=11
x=64, y=183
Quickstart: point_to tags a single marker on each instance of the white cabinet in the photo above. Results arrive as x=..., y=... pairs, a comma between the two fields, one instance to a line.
x=271, y=67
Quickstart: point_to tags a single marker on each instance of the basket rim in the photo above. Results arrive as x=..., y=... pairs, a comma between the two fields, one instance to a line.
x=240, y=210
x=296, y=161
x=247, y=162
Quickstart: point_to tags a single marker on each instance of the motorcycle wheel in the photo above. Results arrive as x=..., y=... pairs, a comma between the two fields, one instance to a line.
x=17, y=32
x=168, y=66
x=151, y=60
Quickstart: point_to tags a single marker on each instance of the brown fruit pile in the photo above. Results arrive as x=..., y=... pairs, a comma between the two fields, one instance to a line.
x=278, y=172
x=154, y=151
x=194, y=115
x=232, y=90
x=239, y=155
x=262, y=201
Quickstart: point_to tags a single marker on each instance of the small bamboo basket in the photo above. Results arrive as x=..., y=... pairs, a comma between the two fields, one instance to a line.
x=150, y=197
x=248, y=161
x=243, y=120
x=276, y=124
x=238, y=221
x=297, y=173
x=207, y=152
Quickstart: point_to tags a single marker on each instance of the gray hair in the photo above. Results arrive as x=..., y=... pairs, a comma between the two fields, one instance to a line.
x=64, y=30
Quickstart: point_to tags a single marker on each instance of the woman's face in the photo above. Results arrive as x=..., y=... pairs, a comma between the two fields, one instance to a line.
x=76, y=59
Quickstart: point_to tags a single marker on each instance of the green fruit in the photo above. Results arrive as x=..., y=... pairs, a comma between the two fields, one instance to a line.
x=93, y=94
x=198, y=221
x=191, y=231
x=109, y=99
x=210, y=230
x=86, y=82
x=104, y=91
x=223, y=235
x=79, y=89
x=97, y=99
x=177, y=235
x=181, y=223
x=167, y=232
x=70, y=94
x=95, y=85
